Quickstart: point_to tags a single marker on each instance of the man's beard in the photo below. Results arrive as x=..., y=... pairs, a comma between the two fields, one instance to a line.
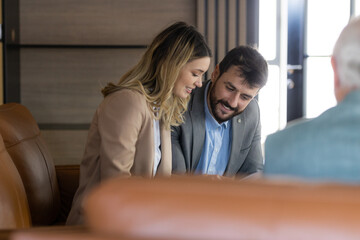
x=214, y=102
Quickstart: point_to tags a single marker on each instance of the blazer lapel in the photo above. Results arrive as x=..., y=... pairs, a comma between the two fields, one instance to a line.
x=197, y=114
x=238, y=127
x=164, y=168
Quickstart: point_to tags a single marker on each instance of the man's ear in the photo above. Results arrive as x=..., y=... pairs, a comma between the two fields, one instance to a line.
x=336, y=75
x=215, y=74
x=339, y=91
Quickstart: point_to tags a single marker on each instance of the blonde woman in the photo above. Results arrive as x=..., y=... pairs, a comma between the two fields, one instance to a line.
x=130, y=131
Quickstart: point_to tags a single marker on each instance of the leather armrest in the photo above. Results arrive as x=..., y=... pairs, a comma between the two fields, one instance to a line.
x=68, y=181
x=67, y=232
x=168, y=208
x=7, y=234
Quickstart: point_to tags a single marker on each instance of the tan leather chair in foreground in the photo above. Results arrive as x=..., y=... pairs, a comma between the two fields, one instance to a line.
x=58, y=235
x=49, y=189
x=202, y=208
x=14, y=208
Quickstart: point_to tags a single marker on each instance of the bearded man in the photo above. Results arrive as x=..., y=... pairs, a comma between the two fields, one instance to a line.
x=221, y=134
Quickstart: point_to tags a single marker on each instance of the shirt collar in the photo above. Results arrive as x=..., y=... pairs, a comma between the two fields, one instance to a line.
x=208, y=117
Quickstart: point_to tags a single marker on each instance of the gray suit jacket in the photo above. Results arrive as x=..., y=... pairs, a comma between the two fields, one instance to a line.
x=188, y=139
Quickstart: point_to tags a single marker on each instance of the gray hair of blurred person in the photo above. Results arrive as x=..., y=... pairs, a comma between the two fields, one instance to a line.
x=347, y=55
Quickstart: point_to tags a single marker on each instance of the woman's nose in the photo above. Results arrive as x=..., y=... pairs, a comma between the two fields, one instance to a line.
x=198, y=83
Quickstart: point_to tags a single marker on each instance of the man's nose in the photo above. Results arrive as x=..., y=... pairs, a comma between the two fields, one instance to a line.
x=233, y=101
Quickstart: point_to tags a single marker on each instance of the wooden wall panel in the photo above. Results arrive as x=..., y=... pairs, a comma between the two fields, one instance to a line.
x=1, y=61
x=99, y=22
x=223, y=22
x=66, y=146
x=211, y=32
x=1, y=74
x=62, y=86
x=232, y=24
x=242, y=27
x=69, y=49
x=222, y=28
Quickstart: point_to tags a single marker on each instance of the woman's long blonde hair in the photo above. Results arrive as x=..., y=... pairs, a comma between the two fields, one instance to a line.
x=155, y=74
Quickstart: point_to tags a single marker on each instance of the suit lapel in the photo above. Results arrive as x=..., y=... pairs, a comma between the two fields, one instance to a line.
x=238, y=126
x=197, y=114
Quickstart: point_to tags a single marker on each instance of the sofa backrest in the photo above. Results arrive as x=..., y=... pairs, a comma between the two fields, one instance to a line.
x=14, y=208
x=33, y=160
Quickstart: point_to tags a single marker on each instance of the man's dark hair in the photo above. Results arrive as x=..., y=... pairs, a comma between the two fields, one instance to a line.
x=251, y=65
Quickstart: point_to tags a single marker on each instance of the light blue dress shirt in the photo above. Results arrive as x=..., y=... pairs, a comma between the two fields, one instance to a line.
x=216, y=151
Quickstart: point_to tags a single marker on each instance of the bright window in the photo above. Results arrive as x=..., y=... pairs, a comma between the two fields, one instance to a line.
x=324, y=25
x=272, y=96
x=320, y=86
x=267, y=28
x=324, y=21
x=357, y=7
x=269, y=101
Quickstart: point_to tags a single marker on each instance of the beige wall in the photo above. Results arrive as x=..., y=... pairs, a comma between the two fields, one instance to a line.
x=68, y=51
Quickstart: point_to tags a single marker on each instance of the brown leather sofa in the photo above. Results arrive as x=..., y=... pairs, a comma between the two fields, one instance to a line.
x=49, y=188
x=204, y=208
x=14, y=208
x=184, y=208
x=40, y=234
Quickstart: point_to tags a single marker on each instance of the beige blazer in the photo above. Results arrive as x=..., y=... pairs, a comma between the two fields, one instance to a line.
x=120, y=143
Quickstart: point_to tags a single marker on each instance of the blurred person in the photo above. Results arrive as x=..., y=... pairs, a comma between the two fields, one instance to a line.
x=130, y=131
x=326, y=148
x=221, y=134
